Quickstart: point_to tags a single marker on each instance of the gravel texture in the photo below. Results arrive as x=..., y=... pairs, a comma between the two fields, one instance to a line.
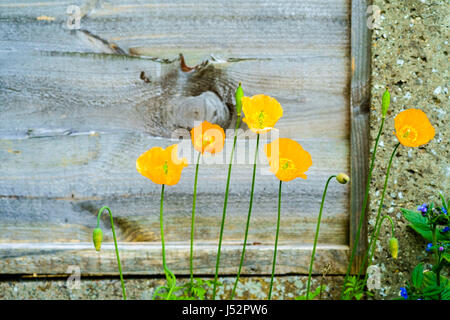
x=410, y=56
x=255, y=288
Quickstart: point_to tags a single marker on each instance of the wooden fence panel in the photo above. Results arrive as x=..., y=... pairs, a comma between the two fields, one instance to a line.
x=77, y=107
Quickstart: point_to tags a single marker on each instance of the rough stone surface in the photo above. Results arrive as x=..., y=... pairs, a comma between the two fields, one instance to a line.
x=410, y=56
x=254, y=288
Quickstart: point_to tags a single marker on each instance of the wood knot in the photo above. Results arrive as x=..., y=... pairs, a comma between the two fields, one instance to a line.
x=187, y=95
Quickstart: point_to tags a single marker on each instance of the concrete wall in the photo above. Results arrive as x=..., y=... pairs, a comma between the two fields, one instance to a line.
x=410, y=55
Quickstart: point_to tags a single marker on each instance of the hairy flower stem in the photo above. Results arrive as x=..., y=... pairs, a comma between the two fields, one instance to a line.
x=363, y=209
x=169, y=274
x=115, y=244
x=238, y=122
x=276, y=242
x=317, y=237
x=248, y=219
x=162, y=227
x=377, y=234
x=373, y=239
x=191, y=260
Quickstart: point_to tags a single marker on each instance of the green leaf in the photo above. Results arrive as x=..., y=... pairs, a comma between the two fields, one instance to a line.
x=312, y=294
x=429, y=280
x=445, y=204
x=421, y=226
x=315, y=293
x=432, y=291
x=446, y=256
x=445, y=294
x=415, y=218
x=417, y=276
x=418, y=223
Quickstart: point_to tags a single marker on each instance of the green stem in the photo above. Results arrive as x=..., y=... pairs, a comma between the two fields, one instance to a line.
x=191, y=265
x=276, y=241
x=169, y=274
x=172, y=282
x=238, y=122
x=317, y=237
x=380, y=207
x=363, y=209
x=161, y=227
x=377, y=234
x=436, y=253
x=115, y=244
x=248, y=219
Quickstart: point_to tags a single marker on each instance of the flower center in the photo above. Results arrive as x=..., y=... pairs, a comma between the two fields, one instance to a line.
x=408, y=132
x=207, y=140
x=204, y=141
x=286, y=164
x=261, y=120
x=166, y=167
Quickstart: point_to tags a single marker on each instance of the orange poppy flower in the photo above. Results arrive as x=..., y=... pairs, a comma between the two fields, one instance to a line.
x=208, y=137
x=261, y=112
x=413, y=128
x=287, y=159
x=162, y=166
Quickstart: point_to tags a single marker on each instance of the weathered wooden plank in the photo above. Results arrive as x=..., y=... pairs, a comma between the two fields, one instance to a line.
x=198, y=28
x=75, y=114
x=77, y=174
x=40, y=220
x=94, y=164
x=145, y=258
x=360, y=100
x=54, y=91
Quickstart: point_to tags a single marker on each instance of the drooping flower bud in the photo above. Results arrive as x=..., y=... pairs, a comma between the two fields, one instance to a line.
x=385, y=101
x=97, y=237
x=393, y=247
x=239, y=94
x=342, y=178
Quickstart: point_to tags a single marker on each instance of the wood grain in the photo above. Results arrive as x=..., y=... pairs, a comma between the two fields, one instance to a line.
x=79, y=106
x=79, y=173
x=360, y=100
x=145, y=258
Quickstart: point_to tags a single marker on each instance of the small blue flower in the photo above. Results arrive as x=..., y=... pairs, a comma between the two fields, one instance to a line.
x=428, y=248
x=446, y=229
x=404, y=293
x=443, y=210
x=423, y=208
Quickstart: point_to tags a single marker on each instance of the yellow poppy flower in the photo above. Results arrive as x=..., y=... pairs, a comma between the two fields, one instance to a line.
x=261, y=112
x=208, y=137
x=287, y=159
x=162, y=166
x=413, y=128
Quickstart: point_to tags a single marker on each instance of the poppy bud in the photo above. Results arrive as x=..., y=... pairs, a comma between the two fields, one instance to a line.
x=393, y=247
x=239, y=94
x=385, y=101
x=97, y=237
x=342, y=178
